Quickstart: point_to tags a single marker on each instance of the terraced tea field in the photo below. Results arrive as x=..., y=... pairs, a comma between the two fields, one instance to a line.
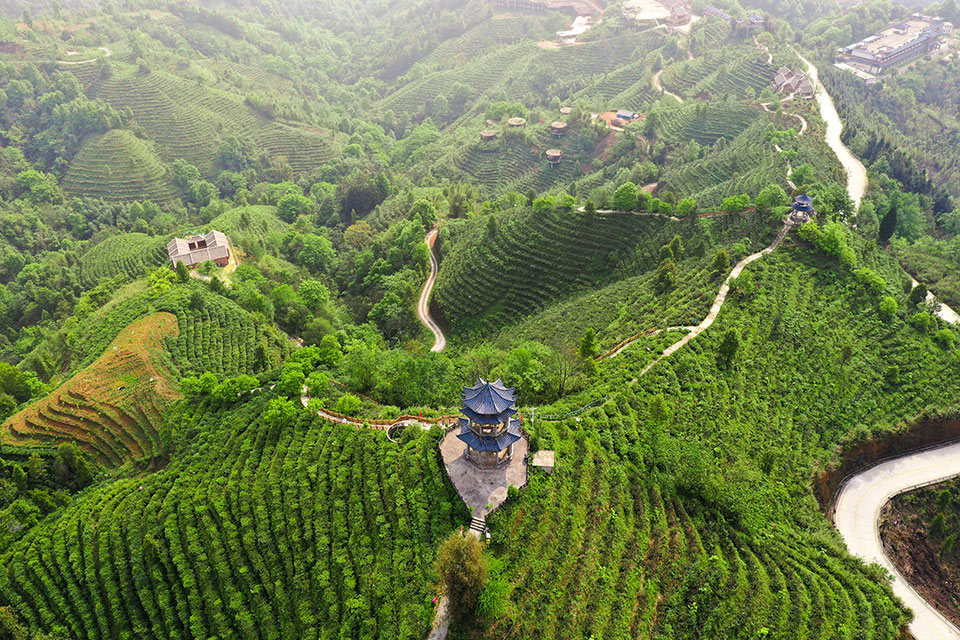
x=300, y=532
x=118, y=167
x=510, y=164
x=650, y=564
x=746, y=165
x=706, y=123
x=188, y=121
x=129, y=253
x=113, y=407
x=532, y=260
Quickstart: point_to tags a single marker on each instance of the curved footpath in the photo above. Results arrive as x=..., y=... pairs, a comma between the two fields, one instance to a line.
x=857, y=509
x=106, y=54
x=659, y=87
x=423, y=305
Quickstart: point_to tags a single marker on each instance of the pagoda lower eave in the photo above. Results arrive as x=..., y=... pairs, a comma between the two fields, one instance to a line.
x=489, y=442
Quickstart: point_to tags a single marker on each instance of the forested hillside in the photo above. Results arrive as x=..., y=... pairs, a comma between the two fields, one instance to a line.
x=415, y=195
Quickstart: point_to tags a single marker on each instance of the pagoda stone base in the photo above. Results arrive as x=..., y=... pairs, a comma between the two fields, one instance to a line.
x=482, y=489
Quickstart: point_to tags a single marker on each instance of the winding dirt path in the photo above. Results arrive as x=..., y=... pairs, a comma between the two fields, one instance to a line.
x=106, y=54
x=659, y=87
x=717, y=302
x=857, y=518
x=423, y=305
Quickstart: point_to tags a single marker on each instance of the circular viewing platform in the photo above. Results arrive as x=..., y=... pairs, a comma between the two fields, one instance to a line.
x=565, y=111
x=558, y=128
x=554, y=156
x=488, y=135
x=517, y=122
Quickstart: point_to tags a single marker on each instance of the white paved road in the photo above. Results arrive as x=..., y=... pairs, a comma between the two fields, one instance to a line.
x=857, y=518
x=423, y=305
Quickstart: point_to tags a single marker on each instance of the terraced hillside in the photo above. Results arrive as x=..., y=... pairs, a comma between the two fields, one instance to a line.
x=518, y=163
x=697, y=522
x=650, y=563
x=188, y=121
x=738, y=71
x=706, y=123
x=746, y=164
x=131, y=254
x=532, y=259
x=113, y=407
x=118, y=167
x=300, y=530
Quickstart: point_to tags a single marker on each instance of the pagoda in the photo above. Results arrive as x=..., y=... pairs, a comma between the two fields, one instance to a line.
x=487, y=426
x=801, y=210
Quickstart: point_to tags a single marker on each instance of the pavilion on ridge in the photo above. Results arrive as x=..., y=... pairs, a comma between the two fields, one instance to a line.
x=487, y=426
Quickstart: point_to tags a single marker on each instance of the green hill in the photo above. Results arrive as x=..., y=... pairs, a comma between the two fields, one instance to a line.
x=118, y=167
x=531, y=260
x=127, y=253
x=307, y=530
x=189, y=121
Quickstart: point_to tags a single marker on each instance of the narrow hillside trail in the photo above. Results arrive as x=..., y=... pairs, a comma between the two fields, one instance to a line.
x=106, y=54
x=659, y=87
x=717, y=302
x=857, y=518
x=423, y=305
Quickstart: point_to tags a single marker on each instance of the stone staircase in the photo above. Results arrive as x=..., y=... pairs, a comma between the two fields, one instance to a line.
x=477, y=526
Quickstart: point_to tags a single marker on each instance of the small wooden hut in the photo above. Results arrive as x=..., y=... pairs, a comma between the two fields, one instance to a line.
x=558, y=128
x=517, y=122
x=488, y=135
x=554, y=156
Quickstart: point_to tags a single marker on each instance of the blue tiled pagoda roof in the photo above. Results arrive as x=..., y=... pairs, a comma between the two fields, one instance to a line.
x=489, y=399
x=489, y=443
x=803, y=203
x=480, y=418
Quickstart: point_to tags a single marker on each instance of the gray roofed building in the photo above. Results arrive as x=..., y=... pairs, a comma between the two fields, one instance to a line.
x=488, y=427
x=212, y=246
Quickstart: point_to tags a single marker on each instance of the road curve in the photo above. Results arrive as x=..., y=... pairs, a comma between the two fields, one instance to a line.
x=423, y=305
x=856, y=172
x=659, y=87
x=857, y=517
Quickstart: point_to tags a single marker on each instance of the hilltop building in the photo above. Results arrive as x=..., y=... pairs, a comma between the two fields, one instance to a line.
x=896, y=45
x=753, y=22
x=488, y=427
x=716, y=13
x=801, y=210
x=680, y=12
x=213, y=246
x=787, y=81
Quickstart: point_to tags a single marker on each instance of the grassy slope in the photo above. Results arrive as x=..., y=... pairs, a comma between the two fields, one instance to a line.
x=112, y=408
x=736, y=542
x=304, y=531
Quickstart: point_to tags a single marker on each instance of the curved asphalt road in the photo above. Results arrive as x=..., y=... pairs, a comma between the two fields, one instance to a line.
x=423, y=305
x=857, y=518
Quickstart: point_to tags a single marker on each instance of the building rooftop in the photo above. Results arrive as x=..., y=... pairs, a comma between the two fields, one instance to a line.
x=895, y=38
x=489, y=398
x=199, y=248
